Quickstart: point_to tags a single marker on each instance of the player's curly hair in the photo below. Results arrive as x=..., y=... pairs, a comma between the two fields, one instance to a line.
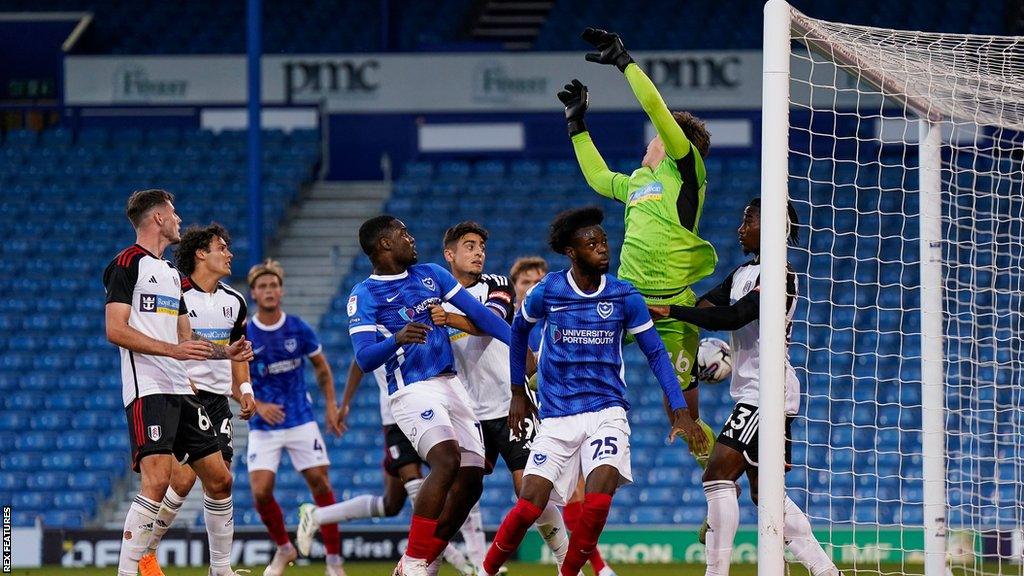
x=794, y=220
x=197, y=238
x=696, y=131
x=567, y=223
x=455, y=233
x=371, y=231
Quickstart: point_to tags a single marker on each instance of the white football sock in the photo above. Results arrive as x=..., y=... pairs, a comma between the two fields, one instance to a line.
x=220, y=529
x=473, y=534
x=802, y=543
x=138, y=529
x=723, y=521
x=168, y=512
x=552, y=529
x=358, y=508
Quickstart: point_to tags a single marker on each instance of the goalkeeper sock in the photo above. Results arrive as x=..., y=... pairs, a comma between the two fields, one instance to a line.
x=510, y=534
x=723, y=520
x=168, y=512
x=802, y=543
x=358, y=508
x=138, y=529
x=552, y=530
x=583, y=541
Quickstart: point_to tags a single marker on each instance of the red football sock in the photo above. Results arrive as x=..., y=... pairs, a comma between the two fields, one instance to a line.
x=332, y=541
x=583, y=541
x=273, y=519
x=421, y=538
x=437, y=546
x=510, y=534
x=571, y=515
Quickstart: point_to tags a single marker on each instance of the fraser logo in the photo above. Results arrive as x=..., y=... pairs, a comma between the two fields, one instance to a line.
x=492, y=81
x=133, y=82
x=581, y=336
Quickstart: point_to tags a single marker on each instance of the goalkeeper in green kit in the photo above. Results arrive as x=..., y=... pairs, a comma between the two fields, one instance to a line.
x=662, y=253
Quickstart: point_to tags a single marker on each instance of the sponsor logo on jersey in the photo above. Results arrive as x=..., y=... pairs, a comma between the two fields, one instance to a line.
x=291, y=344
x=158, y=303
x=427, y=414
x=154, y=433
x=539, y=459
x=584, y=336
x=652, y=191
x=353, y=304
x=604, y=309
x=409, y=312
x=429, y=283
x=215, y=335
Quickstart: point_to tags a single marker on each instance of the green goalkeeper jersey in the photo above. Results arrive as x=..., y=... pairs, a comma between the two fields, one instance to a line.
x=662, y=252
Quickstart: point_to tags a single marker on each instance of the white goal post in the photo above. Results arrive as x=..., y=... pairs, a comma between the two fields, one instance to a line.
x=901, y=152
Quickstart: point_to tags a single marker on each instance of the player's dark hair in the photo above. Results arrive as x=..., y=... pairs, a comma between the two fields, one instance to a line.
x=373, y=230
x=197, y=238
x=525, y=264
x=794, y=220
x=455, y=233
x=696, y=131
x=567, y=223
x=142, y=201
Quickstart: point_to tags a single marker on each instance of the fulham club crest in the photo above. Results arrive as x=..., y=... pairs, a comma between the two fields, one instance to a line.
x=229, y=312
x=154, y=433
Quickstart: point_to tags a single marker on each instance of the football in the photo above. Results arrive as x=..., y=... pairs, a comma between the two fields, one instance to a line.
x=714, y=360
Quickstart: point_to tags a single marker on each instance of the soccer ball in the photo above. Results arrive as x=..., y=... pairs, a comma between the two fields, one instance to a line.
x=714, y=360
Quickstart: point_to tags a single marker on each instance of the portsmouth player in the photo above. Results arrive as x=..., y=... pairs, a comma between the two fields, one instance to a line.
x=525, y=273
x=585, y=314
x=147, y=319
x=403, y=476
x=217, y=313
x=735, y=306
x=389, y=321
x=482, y=363
x=662, y=254
x=284, y=418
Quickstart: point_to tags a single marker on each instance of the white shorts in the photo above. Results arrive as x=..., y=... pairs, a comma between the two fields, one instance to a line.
x=435, y=410
x=304, y=443
x=568, y=446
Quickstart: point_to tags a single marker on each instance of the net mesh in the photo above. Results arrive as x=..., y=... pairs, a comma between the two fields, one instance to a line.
x=857, y=94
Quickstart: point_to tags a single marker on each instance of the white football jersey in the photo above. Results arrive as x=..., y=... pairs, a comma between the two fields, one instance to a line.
x=219, y=317
x=746, y=360
x=152, y=287
x=482, y=361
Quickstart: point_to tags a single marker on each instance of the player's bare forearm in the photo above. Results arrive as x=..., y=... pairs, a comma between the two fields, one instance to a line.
x=121, y=334
x=355, y=376
x=324, y=378
x=460, y=322
x=531, y=363
x=220, y=352
x=239, y=374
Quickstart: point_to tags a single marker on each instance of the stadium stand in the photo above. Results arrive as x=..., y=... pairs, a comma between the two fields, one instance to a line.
x=63, y=216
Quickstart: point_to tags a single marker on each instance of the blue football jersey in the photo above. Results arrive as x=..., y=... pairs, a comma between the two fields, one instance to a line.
x=383, y=305
x=580, y=364
x=277, y=369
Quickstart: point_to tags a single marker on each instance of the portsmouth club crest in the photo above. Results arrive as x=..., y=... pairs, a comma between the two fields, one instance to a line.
x=154, y=433
x=429, y=283
x=291, y=345
x=604, y=309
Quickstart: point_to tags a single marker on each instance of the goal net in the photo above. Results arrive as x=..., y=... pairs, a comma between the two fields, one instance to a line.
x=904, y=165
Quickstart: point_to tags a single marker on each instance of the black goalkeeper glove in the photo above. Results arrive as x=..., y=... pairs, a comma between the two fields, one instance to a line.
x=576, y=99
x=611, y=50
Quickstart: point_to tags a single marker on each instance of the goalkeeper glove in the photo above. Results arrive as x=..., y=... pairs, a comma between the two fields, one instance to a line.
x=703, y=458
x=609, y=46
x=575, y=98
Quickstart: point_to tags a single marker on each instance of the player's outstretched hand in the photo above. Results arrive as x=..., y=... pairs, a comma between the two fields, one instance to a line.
x=240, y=350
x=609, y=46
x=332, y=420
x=684, y=426
x=272, y=413
x=413, y=333
x=192, y=350
x=519, y=411
x=438, y=315
x=248, y=407
x=576, y=100
x=658, y=312
x=343, y=419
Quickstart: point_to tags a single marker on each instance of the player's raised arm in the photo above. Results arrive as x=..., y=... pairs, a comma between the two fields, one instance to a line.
x=477, y=313
x=605, y=182
x=611, y=51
